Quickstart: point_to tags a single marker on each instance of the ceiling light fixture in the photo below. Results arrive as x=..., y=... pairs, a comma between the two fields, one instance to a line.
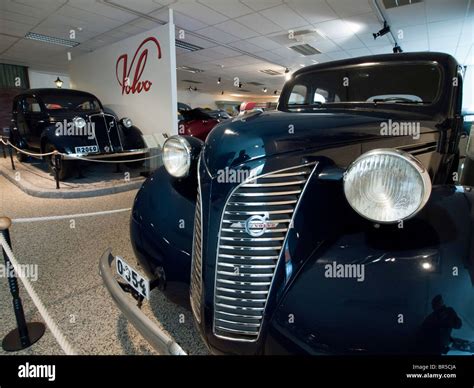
x=275, y=92
x=59, y=83
x=385, y=30
x=218, y=80
x=240, y=85
x=264, y=90
x=187, y=46
x=287, y=74
x=51, y=39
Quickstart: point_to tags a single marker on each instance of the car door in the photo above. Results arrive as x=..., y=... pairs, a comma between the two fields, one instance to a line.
x=34, y=119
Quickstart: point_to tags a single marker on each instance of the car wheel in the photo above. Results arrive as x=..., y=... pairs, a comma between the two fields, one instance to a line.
x=66, y=166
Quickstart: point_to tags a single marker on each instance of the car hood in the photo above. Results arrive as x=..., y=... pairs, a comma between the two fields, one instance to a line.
x=258, y=134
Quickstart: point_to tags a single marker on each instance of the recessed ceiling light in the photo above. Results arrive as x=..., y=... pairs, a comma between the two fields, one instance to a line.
x=51, y=39
x=190, y=69
x=187, y=46
x=305, y=49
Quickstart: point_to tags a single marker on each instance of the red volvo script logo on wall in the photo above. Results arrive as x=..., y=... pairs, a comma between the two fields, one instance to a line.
x=132, y=83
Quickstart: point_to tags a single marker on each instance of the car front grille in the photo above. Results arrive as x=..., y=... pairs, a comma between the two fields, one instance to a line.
x=196, y=266
x=255, y=223
x=106, y=132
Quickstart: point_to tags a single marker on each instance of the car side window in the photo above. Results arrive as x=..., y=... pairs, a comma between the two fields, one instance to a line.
x=298, y=95
x=31, y=105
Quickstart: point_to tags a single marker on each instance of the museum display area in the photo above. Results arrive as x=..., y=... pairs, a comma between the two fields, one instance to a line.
x=237, y=177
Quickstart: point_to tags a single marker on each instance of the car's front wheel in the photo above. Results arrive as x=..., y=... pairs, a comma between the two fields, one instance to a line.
x=65, y=165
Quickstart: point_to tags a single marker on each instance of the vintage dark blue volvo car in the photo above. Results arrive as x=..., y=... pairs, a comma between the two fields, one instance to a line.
x=335, y=225
x=74, y=123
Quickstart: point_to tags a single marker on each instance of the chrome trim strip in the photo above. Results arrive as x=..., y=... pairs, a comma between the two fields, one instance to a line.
x=197, y=309
x=248, y=257
x=242, y=230
x=274, y=184
x=249, y=213
x=269, y=194
x=275, y=203
x=252, y=238
x=141, y=151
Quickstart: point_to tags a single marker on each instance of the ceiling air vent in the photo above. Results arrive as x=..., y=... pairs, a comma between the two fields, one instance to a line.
x=190, y=81
x=305, y=49
x=187, y=46
x=398, y=3
x=190, y=69
x=270, y=72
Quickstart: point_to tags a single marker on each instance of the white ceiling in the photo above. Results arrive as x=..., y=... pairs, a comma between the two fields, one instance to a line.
x=239, y=37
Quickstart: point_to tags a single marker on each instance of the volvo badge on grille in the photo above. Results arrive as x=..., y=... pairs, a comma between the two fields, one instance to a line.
x=257, y=225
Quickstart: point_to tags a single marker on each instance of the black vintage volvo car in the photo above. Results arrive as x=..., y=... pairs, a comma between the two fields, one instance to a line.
x=335, y=225
x=74, y=123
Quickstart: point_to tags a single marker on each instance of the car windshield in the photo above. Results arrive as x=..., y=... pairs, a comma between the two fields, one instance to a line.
x=82, y=103
x=367, y=84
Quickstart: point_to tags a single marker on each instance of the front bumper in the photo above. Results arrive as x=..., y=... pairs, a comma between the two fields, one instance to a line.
x=113, y=155
x=155, y=336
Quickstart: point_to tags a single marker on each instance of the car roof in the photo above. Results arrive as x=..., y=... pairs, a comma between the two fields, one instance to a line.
x=385, y=58
x=55, y=91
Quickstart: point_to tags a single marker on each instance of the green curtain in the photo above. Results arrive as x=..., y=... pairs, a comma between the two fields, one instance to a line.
x=13, y=76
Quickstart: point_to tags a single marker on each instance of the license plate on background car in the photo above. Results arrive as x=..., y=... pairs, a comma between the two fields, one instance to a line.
x=132, y=277
x=86, y=149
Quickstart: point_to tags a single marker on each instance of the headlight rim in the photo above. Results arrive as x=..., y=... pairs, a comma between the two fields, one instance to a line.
x=182, y=140
x=124, y=120
x=407, y=157
x=77, y=119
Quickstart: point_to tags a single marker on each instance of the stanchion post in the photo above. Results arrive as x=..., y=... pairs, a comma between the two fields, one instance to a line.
x=57, y=167
x=25, y=334
x=10, y=151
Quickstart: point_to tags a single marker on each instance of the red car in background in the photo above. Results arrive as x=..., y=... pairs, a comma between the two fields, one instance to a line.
x=199, y=122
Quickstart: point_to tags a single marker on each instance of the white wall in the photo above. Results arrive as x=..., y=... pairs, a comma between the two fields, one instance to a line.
x=42, y=79
x=136, y=78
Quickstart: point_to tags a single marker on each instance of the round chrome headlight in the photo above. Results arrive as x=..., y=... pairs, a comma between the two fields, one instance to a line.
x=387, y=185
x=177, y=156
x=127, y=122
x=79, y=122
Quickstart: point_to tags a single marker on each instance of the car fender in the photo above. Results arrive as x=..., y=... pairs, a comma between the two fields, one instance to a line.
x=404, y=269
x=161, y=225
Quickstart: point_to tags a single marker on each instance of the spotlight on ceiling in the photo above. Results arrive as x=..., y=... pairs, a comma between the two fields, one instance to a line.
x=218, y=80
x=397, y=49
x=275, y=92
x=385, y=30
x=240, y=85
x=264, y=90
x=191, y=89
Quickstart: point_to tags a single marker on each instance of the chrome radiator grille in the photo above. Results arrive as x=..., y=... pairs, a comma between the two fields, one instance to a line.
x=255, y=222
x=196, y=266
